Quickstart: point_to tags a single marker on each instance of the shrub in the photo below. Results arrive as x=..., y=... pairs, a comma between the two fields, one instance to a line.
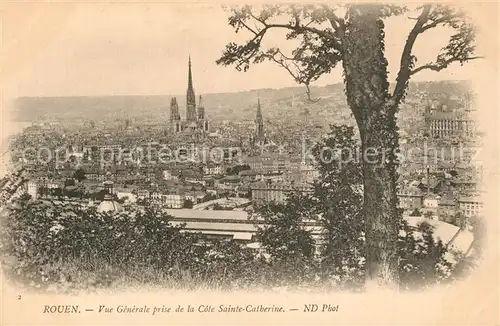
x=45, y=242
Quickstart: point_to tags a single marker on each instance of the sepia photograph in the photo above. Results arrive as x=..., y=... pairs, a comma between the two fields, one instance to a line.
x=273, y=163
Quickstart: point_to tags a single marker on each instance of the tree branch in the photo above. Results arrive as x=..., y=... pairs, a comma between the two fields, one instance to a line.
x=297, y=27
x=303, y=28
x=247, y=27
x=439, y=21
x=297, y=79
x=336, y=22
x=407, y=58
x=459, y=49
x=257, y=19
x=442, y=65
x=308, y=92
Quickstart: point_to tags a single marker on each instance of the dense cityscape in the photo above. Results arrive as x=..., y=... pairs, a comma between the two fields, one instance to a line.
x=211, y=175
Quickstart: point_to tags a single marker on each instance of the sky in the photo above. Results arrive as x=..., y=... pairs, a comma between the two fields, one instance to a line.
x=71, y=49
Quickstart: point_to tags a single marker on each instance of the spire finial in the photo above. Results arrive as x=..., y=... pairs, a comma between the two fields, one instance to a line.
x=190, y=77
x=259, y=112
x=190, y=83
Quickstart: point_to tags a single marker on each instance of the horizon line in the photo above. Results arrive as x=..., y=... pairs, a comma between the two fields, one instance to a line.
x=229, y=92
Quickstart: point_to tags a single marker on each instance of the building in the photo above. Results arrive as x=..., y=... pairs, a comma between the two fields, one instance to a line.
x=213, y=169
x=142, y=194
x=194, y=176
x=410, y=198
x=168, y=175
x=431, y=203
x=238, y=226
x=228, y=183
x=108, y=205
x=470, y=205
x=195, y=116
x=268, y=163
x=447, y=207
x=32, y=189
x=305, y=173
x=173, y=200
x=263, y=192
x=127, y=194
x=441, y=122
x=234, y=225
x=249, y=175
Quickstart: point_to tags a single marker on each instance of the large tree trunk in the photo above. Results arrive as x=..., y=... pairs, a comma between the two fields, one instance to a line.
x=365, y=69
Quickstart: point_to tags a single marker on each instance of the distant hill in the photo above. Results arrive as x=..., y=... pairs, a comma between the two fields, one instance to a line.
x=288, y=103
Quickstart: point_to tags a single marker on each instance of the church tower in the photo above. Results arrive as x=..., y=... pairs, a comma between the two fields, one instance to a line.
x=201, y=109
x=174, y=110
x=190, y=97
x=203, y=124
x=259, y=124
x=175, y=117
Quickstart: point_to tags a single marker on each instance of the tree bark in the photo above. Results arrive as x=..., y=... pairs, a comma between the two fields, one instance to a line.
x=365, y=74
x=381, y=218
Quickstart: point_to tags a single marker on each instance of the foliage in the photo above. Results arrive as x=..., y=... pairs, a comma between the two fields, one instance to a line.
x=336, y=202
x=323, y=38
x=57, y=192
x=289, y=245
x=46, y=243
x=460, y=220
x=319, y=34
x=208, y=197
x=416, y=212
x=79, y=174
x=422, y=260
x=188, y=203
x=428, y=214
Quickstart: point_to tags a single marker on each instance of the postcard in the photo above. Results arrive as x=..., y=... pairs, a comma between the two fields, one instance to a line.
x=180, y=163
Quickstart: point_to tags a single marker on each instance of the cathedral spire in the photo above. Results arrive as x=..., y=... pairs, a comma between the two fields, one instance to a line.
x=190, y=75
x=259, y=122
x=259, y=111
x=190, y=97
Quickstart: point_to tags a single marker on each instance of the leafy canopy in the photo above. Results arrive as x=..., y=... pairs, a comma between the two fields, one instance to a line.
x=318, y=33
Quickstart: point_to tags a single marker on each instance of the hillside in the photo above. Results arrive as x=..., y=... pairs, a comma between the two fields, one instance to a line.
x=277, y=104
